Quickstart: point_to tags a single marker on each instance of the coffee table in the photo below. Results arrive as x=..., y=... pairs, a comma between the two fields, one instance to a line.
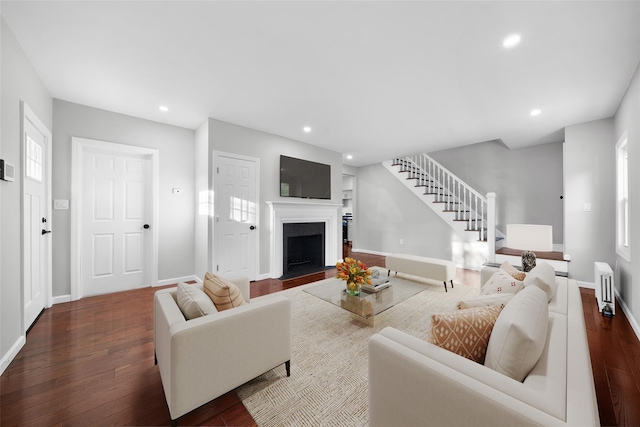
x=367, y=305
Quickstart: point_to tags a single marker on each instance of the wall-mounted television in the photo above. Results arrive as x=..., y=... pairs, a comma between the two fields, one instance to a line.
x=304, y=178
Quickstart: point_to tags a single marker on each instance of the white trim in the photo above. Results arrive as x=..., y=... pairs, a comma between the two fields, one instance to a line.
x=264, y=276
x=586, y=285
x=78, y=145
x=623, y=251
x=166, y=282
x=627, y=311
x=27, y=114
x=212, y=184
x=12, y=353
x=367, y=251
x=61, y=299
x=293, y=212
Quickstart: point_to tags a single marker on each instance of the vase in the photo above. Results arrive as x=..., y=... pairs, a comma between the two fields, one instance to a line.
x=353, y=289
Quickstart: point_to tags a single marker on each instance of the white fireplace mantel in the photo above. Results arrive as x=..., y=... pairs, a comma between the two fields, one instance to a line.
x=293, y=212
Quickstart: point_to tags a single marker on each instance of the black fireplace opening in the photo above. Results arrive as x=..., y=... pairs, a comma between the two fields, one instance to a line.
x=303, y=249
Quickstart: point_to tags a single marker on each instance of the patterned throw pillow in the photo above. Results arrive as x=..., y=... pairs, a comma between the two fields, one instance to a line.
x=224, y=294
x=465, y=332
x=501, y=282
x=485, y=300
x=514, y=272
x=193, y=302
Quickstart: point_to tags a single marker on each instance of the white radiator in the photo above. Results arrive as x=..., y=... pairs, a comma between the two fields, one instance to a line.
x=605, y=292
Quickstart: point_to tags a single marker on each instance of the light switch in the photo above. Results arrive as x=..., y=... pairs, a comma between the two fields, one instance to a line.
x=59, y=204
x=586, y=207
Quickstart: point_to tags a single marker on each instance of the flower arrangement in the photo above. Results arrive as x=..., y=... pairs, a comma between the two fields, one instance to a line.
x=355, y=273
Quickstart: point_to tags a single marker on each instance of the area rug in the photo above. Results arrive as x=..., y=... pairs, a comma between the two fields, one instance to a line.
x=329, y=379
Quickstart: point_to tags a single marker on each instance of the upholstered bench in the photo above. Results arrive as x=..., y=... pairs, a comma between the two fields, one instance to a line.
x=429, y=268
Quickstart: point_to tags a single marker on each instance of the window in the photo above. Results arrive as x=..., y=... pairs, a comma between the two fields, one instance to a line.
x=622, y=199
x=34, y=160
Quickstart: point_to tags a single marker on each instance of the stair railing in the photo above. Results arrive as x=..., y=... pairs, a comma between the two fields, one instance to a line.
x=459, y=197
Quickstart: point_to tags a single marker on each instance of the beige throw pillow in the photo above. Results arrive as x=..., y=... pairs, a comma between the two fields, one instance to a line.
x=514, y=272
x=223, y=293
x=499, y=300
x=465, y=332
x=193, y=302
x=501, y=282
x=519, y=335
x=544, y=276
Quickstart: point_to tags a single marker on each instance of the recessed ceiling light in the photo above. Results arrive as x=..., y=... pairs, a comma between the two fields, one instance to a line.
x=536, y=112
x=349, y=157
x=307, y=129
x=511, y=41
x=163, y=108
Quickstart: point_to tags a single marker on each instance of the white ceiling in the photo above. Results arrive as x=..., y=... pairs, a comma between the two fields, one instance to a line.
x=374, y=79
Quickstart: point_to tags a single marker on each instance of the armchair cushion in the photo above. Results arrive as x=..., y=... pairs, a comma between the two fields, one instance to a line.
x=193, y=302
x=223, y=293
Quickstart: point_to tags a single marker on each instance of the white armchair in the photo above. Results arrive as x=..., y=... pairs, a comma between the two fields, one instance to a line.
x=203, y=358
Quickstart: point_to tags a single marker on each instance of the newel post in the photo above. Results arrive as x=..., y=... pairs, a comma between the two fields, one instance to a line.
x=491, y=226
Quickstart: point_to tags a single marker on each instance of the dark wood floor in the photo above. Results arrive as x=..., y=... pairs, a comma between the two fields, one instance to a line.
x=90, y=362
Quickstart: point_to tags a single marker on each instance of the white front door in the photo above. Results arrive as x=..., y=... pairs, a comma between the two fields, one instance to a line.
x=236, y=215
x=116, y=218
x=36, y=218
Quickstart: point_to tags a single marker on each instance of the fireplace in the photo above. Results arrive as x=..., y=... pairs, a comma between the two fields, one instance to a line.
x=302, y=248
x=283, y=213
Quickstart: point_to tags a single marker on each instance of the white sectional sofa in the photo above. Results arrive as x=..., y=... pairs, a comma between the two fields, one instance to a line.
x=203, y=358
x=413, y=382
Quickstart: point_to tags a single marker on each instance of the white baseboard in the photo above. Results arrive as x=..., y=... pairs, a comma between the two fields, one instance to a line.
x=367, y=251
x=61, y=298
x=586, y=285
x=12, y=353
x=264, y=276
x=173, y=281
x=627, y=311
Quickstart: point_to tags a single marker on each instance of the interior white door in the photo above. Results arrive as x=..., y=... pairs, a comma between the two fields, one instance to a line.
x=116, y=217
x=35, y=222
x=236, y=215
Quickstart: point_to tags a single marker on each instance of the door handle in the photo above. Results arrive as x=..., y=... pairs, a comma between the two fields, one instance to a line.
x=146, y=226
x=253, y=227
x=45, y=232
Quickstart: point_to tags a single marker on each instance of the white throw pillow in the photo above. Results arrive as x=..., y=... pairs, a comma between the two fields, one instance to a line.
x=501, y=282
x=544, y=276
x=485, y=300
x=519, y=335
x=193, y=302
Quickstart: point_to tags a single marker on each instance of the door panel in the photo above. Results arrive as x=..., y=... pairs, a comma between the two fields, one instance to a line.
x=236, y=205
x=116, y=244
x=35, y=221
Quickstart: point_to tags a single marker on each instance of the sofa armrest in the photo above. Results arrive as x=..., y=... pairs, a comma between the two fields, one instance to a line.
x=213, y=354
x=412, y=382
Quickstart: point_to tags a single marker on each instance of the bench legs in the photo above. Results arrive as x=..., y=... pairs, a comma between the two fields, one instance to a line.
x=445, y=286
x=287, y=366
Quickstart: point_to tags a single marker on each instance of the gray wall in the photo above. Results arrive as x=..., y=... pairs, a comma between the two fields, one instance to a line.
x=230, y=138
x=19, y=81
x=176, y=211
x=590, y=178
x=527, y=181
x=386, y=211
x=627, y=119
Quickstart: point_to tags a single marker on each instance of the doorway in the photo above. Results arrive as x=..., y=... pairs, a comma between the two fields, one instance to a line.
x=114, y=217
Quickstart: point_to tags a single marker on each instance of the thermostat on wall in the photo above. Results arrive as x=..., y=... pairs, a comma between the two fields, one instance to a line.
x=7, y=171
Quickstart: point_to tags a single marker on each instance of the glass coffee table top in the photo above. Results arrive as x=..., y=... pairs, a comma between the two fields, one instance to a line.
x=366, y=305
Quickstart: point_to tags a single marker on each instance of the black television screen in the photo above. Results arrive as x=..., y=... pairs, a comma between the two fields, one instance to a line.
x=305, y=179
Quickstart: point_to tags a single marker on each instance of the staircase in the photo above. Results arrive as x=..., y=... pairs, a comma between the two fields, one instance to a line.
x=469, y=213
